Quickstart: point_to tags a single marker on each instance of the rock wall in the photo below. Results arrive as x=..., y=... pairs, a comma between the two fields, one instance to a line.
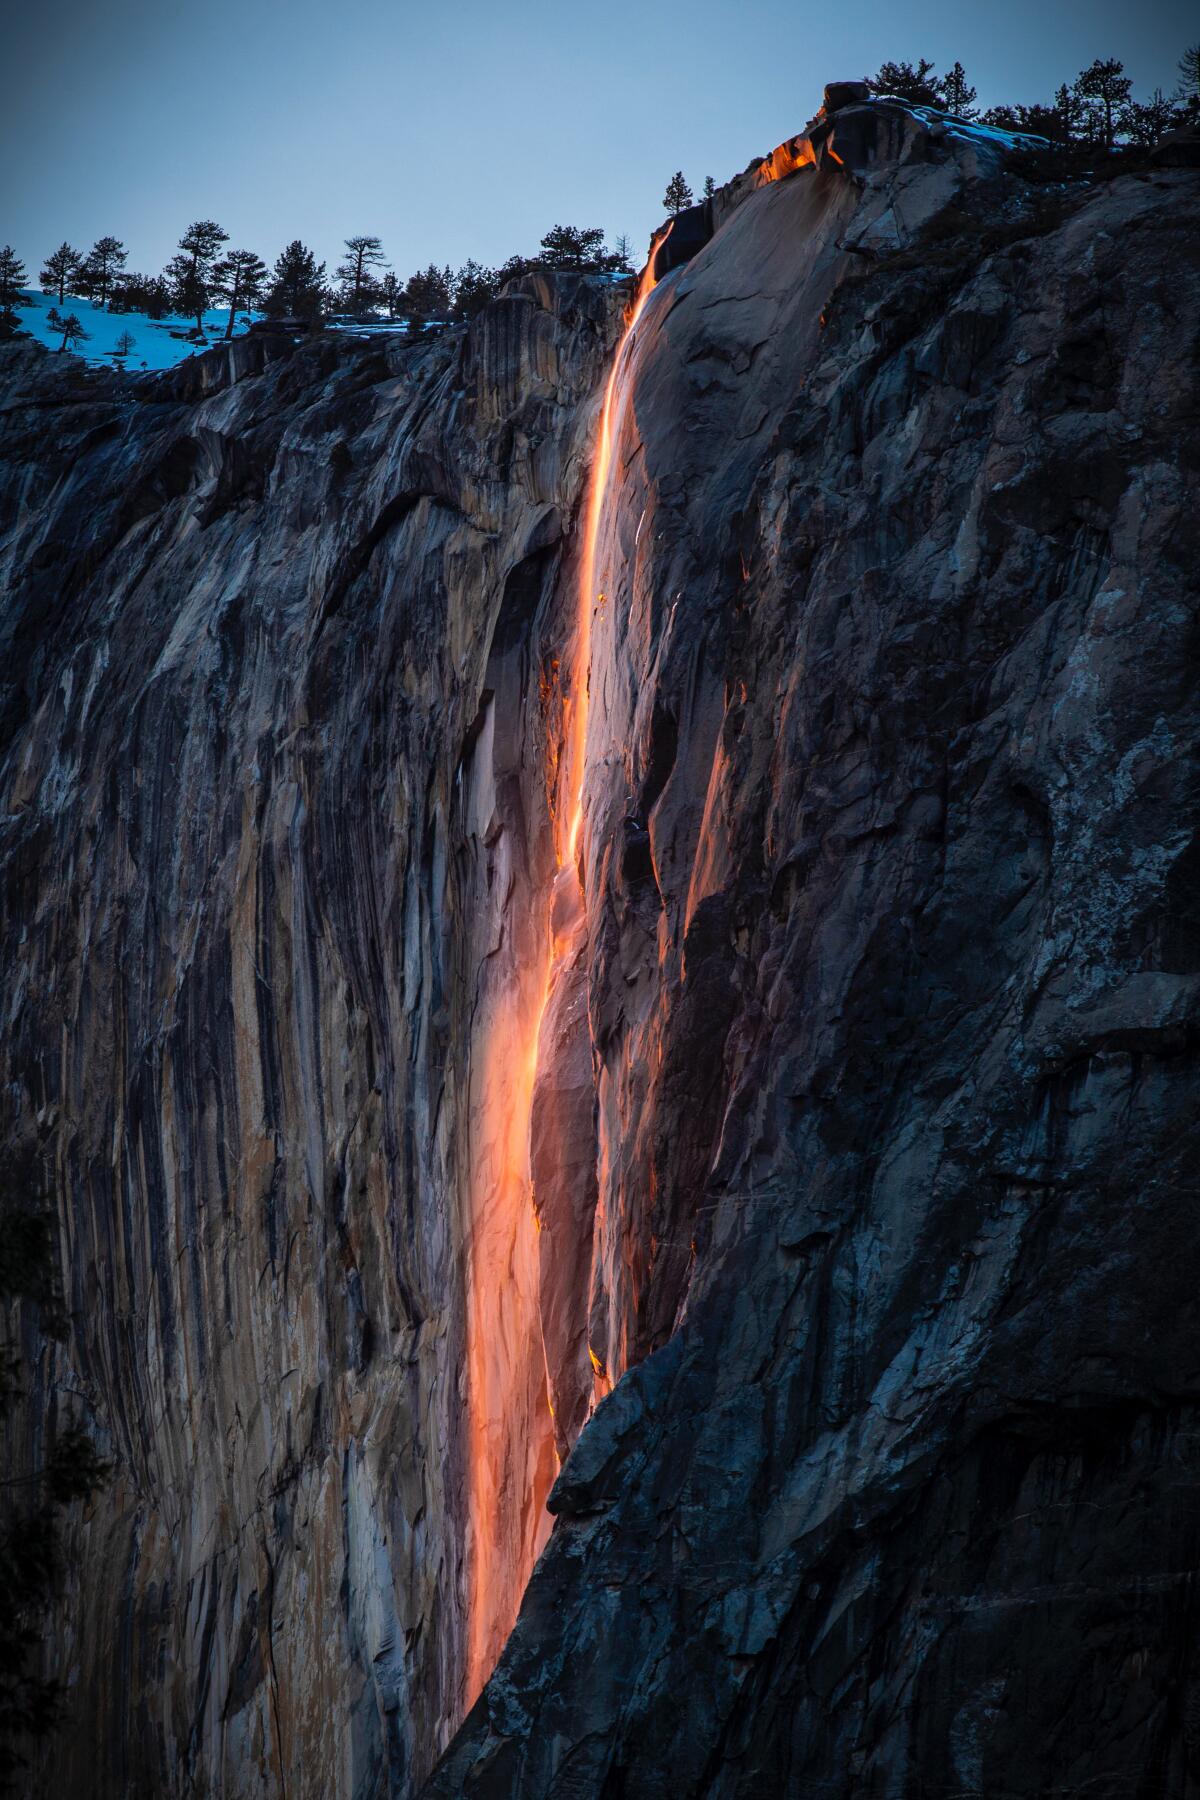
x=868, y=1189
x=894, y=973
x=274, y=735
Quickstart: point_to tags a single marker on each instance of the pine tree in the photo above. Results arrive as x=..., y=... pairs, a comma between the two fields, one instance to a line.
x=1041, y=121
x=1104, y=89
x=1145, y=121
x=1072, y=112
x=70, y=327
x=957, y=93
x=124, y=344
x=201, y=241
x=919, y=85
x=105, y=260
x=12, y=280
x=238, y=279
x=1037, y=120
x=516, y=266
x=710, y=188
x=297, y=285
x=428, y=296
x=1003, y=117
x=572, y=246
x=474, y=287
x=189, y=289
x=678, y=196
x=149, y=294
x=190, y=272
x=389, y=289
x=63, y=267
x=622, y=254
x=360, y=288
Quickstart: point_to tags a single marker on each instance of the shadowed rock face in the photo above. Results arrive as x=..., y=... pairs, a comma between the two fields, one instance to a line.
x=879, y=1213
x=275, y=716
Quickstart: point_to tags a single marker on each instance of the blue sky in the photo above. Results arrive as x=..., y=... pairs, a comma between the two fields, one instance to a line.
x=465, y=130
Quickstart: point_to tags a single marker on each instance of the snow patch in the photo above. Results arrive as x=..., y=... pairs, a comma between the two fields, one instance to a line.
x=157, y=343
x=967, y=128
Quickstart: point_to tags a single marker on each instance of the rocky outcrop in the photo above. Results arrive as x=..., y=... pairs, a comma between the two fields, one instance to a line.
x=861, y=1099
x=1178, y=149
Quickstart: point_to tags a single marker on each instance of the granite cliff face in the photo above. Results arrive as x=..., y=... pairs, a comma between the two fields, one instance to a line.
x=838, y=1116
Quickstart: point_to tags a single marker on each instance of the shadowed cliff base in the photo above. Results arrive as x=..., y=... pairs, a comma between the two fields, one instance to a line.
x=889, y=959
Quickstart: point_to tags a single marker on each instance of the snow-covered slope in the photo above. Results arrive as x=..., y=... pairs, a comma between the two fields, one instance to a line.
x=157, y=343
x=970, y=129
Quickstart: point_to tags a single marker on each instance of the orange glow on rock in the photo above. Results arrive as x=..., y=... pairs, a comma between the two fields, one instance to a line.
x=796, y=153
x=600, y=1378
x=510, y=1460
x=588, y=598
x=509, y=1477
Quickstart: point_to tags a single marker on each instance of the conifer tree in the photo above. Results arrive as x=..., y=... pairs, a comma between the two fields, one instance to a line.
x=105, y=260
x=1072, y=113
x=297, y=285
x=201, y=241
x=189, y=289
x=238, y=279
x=190, y=272
x=1037, y=120
x=1104, y=89
x=919, y=85
x=360, y=287
x=958, y=94
x=474, y=286
x=63, y=267
x=12, y=278
x=70, y=327
x=428, y=295
x=572, y=246
x=678, y=196
x=1005, y=117
x=710, y=188
x=514, y=266
x=124, y=344
x=1145, y=121
x=149, y=294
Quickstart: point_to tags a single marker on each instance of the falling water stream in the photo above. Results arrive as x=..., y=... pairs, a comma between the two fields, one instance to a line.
x=509, y=1479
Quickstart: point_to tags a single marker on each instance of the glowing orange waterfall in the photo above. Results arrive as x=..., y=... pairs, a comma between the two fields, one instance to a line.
x=597, y=491
x=511, y=1457
x=510, y=1443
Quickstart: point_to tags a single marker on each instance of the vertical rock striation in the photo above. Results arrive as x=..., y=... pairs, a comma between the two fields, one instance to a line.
x=893, y=980
x=863, y=1138
x=276, y=724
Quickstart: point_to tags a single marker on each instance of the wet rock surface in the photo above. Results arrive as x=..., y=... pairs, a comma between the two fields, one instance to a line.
x=880, y=1219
